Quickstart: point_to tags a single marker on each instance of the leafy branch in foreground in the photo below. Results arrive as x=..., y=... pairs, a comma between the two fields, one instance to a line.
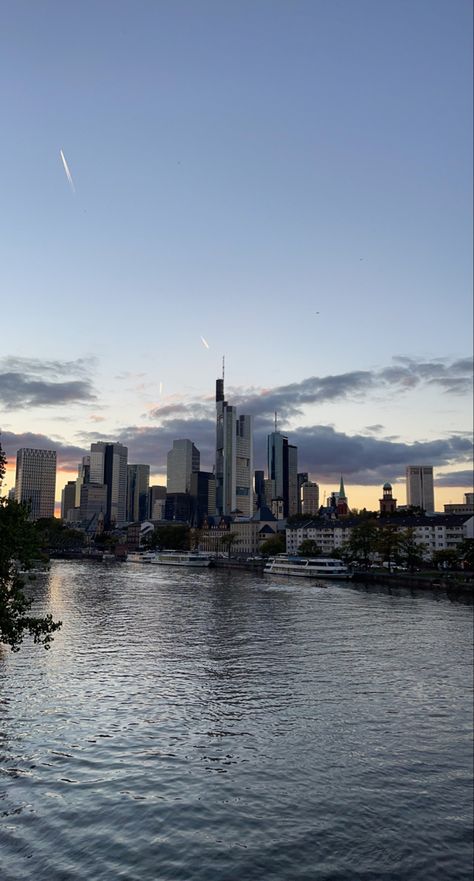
x=18, y=550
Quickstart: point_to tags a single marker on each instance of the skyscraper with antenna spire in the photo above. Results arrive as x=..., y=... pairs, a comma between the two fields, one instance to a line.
x=234, y=457
x=282, y=463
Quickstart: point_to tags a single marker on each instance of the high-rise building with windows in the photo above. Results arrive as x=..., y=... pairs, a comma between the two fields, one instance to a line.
x=138, y=482
x=203, y=496
x=68, y=499
x=83, y=476
x=234, y=458
x=420, y=487
x=35, y=481
x=156, y=502
x=309, y=498
x=282, y=462
x=108, y=466
x=182, y=460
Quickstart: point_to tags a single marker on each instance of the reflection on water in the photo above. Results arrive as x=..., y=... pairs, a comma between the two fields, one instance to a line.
x=215, y=724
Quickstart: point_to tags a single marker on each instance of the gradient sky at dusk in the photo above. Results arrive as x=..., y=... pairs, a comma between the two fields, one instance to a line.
x=289, y=179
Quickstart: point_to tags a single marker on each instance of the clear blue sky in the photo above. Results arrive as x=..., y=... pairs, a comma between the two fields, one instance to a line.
x=239, y=167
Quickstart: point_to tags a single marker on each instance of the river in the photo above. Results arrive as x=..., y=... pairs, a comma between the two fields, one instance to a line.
x=217, y=725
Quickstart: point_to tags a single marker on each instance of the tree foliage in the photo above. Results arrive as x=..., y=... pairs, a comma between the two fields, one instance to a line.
x=175, y=537
x=309, y=548
x=362, y=544
x=18, y=550
x=273, y=546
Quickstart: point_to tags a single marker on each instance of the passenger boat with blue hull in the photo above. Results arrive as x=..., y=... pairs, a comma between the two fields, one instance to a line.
x=307, y=567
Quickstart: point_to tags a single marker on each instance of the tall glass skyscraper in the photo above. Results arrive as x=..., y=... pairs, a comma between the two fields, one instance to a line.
x=108, y=466
x=234, y=458
x=282, y=461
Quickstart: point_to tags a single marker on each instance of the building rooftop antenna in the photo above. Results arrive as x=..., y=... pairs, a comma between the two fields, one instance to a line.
x=276, y=421
x=223, y=367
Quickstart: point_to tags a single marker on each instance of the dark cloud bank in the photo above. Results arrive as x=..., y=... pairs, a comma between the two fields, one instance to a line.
x=322, y=450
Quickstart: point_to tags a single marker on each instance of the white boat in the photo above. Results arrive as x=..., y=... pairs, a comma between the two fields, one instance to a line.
x=181, y=558
x=307, y=567
x=141, y=557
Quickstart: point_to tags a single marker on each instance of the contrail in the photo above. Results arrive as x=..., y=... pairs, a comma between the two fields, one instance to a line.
x=68, y=173
x=161, y=388
x=205, y=343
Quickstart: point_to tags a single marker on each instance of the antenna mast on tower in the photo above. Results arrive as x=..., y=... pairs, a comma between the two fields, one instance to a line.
x=223, y=367
x=276, y=420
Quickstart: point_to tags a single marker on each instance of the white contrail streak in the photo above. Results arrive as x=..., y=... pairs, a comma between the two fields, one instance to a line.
x=205, y=343
x=68, y=173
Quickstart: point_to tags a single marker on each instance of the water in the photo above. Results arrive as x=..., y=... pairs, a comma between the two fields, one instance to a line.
x=214, y=725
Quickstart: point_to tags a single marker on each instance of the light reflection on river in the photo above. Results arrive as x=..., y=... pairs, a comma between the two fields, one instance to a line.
x=198, y=725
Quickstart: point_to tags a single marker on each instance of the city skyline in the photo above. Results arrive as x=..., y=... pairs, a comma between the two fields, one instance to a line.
x=288, y=186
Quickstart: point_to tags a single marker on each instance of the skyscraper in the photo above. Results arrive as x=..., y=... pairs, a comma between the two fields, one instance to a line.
x=282, y=461
x=83, y=476
x=234, y=458
x=182, y=460
x=138, y=481
x=420, y=488
x=309, y=498
x=109, y=466
x=68, y=498
x=35, y=481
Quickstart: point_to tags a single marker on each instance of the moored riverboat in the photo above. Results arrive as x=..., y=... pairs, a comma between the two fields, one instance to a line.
x=307, y=567
x=181, y=558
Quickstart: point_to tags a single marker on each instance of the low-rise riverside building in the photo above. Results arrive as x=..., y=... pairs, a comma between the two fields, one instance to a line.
x=437, y=533
x=249, y=532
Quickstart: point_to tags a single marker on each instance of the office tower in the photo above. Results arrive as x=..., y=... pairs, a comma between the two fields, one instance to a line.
x=301, y=477
x=282, y=461
x=203, y=495
x=93, y=502
x=234, y=458
x=259, y=484
x=68, y=498
x=83, y=476
x=309, y=498
x=156, y=502
x=109, y=466
x=244, y=466
x=178, y=506
x=420, y=490
x=292, y=480
x=35, y=481
x=182, y=460
x=138, y=480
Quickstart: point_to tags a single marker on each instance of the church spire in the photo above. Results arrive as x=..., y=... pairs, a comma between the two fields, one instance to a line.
x=342, y=492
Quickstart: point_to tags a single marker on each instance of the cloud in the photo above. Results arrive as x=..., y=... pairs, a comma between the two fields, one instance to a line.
x=68, y=455
x=455, y=478
x=28, y=382
x=289, y=401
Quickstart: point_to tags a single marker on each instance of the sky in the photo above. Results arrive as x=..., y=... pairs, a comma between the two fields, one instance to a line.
x=287, y=183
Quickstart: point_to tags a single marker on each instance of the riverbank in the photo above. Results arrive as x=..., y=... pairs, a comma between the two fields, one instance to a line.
x=419, y=580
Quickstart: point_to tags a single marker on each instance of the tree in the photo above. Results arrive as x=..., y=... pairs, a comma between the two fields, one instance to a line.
x=228, y=540
x=18, y=550
x=273, y=546
x=362, y=543
x=388, y=544
x=446, y=558
x=309, y=548
x=465, y=552
x=411, y=551
x=172, y=537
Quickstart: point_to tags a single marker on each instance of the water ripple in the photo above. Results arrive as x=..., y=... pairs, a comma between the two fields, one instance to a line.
x=211, y=724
